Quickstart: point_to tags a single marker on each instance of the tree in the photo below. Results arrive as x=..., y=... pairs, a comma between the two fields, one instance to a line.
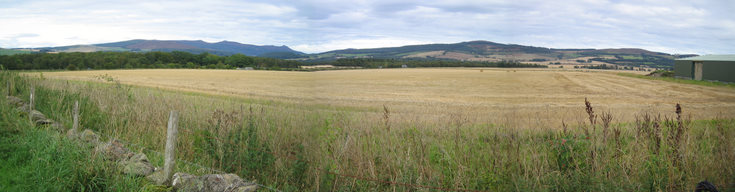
x=210, y=59
x=72, y=67
x=239, y=60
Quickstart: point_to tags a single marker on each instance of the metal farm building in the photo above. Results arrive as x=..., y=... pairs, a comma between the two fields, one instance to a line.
x=707, y=67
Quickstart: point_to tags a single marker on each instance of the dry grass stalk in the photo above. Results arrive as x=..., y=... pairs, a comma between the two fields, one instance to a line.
x=590, y=112
x=606, y=118
x=386, y=118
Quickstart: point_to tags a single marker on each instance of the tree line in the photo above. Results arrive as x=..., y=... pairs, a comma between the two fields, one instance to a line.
x=179, y=59
x=132, y=60
x=398, y=63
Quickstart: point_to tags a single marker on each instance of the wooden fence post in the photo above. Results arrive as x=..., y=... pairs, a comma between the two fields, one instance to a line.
x=30, y=105
x=75, y=126
x=170, y=156
x=8, y=82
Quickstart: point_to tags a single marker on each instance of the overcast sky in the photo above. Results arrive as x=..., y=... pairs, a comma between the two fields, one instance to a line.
x=703, y=27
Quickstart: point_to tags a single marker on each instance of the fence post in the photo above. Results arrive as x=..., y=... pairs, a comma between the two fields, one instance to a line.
x=30, y=105
x=170, y=156
x=75, y=126
x=8, y=82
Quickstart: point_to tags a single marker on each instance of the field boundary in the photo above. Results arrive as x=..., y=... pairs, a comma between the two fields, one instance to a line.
x=60, y=127
x=88, y=136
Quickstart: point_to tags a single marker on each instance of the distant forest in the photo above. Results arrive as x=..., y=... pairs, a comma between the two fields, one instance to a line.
x=132, y=60
x=179, y=59
x=396, y=63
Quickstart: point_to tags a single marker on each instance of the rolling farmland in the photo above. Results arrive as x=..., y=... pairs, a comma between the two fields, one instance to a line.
x=416, y=129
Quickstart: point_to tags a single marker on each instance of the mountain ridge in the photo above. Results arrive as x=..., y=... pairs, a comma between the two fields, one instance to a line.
x=477, y=50
x=193, y=46
x=481, y=50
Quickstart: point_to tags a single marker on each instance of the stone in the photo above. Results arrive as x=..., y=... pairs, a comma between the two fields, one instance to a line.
x=88, y=136
x=44, y=122
x=58, y=127
x=246, y=188
x=113, y=150
x=211, y=182
x=226, y=182
x=137, y=165
x=217, y=182
x=183, y=182
x=72, y=134
x=24, y=107
x=14, y=101
x=37, y=115
x=157, y=177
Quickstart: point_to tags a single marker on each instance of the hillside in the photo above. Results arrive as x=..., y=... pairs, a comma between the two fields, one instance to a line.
x=491, y=51
x=222, y=48
x=481, y=51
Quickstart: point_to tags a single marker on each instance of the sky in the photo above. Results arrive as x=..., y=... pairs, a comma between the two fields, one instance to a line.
x=670, y=26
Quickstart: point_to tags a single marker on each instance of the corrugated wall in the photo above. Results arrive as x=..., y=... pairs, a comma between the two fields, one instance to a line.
x=717, y=70
x=683, y=68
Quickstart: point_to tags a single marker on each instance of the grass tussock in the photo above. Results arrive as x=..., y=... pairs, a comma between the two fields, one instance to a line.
x=292, y=148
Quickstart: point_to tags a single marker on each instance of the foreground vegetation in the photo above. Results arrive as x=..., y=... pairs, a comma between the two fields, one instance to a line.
x=325, y=148
x=36, y=159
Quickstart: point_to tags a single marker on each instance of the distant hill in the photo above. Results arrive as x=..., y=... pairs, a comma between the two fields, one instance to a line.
x=491, y=51
x=464, y=51
x=198, y=46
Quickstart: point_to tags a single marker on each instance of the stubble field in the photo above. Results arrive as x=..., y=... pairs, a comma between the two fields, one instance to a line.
x=514, y=96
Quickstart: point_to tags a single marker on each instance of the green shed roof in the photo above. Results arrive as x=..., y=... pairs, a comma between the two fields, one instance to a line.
x=710, y=58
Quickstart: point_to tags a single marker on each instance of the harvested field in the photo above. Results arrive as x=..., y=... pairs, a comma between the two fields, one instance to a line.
x=512, y=96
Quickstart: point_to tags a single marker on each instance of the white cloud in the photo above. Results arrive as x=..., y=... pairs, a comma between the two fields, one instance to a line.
x=322, y=25
x=356, y=44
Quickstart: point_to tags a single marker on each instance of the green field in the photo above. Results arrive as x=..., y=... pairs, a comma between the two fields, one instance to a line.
x=12, y=52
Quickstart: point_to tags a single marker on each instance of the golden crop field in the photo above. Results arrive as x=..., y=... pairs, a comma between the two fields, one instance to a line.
x=522, y=97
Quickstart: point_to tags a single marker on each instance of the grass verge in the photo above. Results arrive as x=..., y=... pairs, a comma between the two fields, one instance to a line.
x=38, y=159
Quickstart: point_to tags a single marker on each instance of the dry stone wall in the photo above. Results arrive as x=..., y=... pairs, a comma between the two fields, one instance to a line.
x=137, y=164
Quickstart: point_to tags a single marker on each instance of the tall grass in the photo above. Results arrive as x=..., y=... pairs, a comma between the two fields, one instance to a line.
x=296, y=148
x=37, y=159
